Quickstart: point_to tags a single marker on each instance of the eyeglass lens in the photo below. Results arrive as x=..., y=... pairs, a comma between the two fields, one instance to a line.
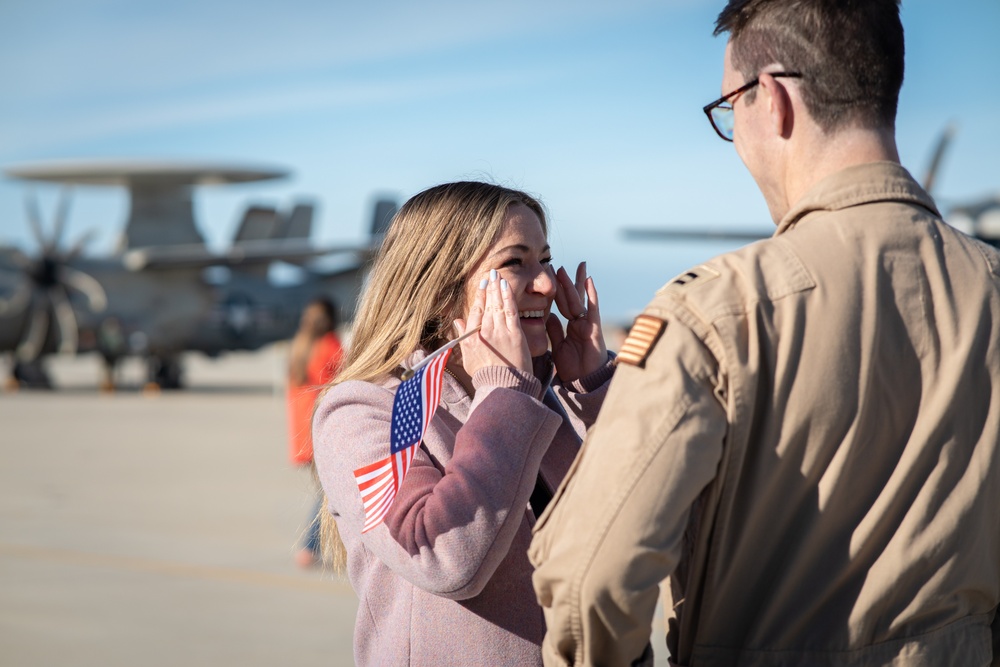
x=722, y=118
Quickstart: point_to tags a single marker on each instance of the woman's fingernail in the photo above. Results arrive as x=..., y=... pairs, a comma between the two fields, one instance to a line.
x=483, y=283
x=493, y=275
x=503, y=284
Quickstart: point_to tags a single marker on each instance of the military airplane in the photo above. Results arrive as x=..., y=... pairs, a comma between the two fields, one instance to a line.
x=162, y=292
x=979, y=219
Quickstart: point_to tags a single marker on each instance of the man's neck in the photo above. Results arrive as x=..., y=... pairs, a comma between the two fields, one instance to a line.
x=822, y=155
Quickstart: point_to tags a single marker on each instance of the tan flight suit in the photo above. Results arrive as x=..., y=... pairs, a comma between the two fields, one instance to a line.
x=808, y=445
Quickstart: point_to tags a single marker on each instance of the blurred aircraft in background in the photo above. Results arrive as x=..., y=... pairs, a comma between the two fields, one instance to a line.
x=979, y=219
x=163, y=292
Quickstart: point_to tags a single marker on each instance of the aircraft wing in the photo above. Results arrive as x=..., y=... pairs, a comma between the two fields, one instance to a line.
x=668, y=234
x=293, y=251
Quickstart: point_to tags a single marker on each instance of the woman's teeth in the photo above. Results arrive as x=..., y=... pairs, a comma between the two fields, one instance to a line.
x=531, y=313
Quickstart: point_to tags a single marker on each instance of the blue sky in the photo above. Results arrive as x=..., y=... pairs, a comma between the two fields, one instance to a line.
x=594, y=106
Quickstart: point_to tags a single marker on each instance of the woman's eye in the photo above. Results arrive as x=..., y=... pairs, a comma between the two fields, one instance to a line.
x=517, y=261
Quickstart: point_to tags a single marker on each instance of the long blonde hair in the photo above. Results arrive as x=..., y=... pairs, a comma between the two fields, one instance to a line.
x=416, y=288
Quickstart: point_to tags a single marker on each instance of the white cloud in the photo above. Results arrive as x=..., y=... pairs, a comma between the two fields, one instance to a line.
x=116, y=48
x=34, y=133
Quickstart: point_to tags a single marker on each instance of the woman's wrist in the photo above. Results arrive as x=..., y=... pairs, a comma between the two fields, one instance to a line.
x=508, y=378
x=597, y=377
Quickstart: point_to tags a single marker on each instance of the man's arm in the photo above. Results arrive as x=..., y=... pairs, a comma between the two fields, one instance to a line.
x=615, y=528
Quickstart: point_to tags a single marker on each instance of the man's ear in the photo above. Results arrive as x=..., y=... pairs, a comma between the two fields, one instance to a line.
x=779, y=105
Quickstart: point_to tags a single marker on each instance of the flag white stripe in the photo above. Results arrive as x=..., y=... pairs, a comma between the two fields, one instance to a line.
x=374, y=498
x=378, y=513
x=374, y=473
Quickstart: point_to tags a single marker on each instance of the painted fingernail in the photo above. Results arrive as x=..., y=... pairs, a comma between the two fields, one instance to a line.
x=483, y=283
x=493, y=275
x=503, y=284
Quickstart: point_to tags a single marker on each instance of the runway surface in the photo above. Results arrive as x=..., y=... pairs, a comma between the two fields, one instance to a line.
x=159, y=529
x=140, y=529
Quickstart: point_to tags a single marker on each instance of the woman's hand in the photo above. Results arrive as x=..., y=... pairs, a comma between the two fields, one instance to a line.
x=500, y=341
x=580, y=350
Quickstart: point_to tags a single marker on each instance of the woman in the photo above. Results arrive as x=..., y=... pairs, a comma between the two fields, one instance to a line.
x=446, y=579
x=313, y=359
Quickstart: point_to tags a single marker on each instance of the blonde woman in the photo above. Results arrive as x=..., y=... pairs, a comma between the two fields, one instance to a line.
x=445, y=579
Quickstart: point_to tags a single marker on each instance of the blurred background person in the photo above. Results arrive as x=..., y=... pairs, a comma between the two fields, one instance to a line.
x=313, y=360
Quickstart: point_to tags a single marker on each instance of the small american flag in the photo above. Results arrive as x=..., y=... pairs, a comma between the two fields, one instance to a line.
x=415, y=403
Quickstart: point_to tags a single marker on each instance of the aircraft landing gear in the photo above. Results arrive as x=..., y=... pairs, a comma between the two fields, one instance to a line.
x=107, y=384
x=29, y=375
x=164, y=373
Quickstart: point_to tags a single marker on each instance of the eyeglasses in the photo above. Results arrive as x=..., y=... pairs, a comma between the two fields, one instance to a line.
x=720, y=112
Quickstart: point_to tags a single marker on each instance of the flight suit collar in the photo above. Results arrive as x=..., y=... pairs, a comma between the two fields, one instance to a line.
x=860, y=184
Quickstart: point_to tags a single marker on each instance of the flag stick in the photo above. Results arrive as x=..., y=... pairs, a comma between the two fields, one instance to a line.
x=408, y=373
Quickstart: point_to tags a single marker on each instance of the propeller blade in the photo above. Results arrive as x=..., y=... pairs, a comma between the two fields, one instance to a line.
x=30, y=347
x=946, y=136
x=35, y=218
x=86, y=285
x=80, y=244
x=662, y=234
x=62, y=212
x=65, y=319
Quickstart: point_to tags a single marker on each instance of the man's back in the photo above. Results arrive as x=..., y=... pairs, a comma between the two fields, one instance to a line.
x=808, y=443
x=855, y=501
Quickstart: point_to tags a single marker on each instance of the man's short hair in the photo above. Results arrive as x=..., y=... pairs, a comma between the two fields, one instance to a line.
x=849, y=52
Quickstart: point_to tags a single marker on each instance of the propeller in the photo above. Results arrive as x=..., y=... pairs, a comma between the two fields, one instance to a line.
x=45, y=284
x=942, y=145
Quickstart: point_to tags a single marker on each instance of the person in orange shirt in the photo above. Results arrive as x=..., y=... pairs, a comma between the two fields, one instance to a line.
x=313, y=361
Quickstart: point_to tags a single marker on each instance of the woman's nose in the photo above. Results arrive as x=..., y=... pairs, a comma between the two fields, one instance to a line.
x=545, y=281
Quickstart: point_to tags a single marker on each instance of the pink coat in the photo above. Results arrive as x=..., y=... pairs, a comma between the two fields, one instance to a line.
x=446, y=578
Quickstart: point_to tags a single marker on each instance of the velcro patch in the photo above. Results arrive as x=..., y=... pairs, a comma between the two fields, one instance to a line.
x=645, y=331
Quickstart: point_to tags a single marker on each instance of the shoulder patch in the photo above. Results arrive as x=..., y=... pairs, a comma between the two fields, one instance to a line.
x=699, y=274
x=645, y=331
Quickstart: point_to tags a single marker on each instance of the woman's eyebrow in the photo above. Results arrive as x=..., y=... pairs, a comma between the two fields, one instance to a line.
x=520, y=247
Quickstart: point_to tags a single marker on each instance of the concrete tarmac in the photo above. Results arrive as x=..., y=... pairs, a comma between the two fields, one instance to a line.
x=159, y=529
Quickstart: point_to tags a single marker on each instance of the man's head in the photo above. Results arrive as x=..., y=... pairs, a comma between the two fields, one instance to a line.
x=811, y=88
x=849, y=52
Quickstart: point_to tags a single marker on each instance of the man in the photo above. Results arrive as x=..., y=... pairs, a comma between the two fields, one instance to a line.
x=803, y=433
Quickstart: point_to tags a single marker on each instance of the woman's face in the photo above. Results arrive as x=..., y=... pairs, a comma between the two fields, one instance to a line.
x=521, y=255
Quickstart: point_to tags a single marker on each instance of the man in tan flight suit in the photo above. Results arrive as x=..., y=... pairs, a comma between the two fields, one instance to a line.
x=803, y=434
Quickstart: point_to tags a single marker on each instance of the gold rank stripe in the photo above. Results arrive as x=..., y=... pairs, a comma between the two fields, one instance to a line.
x=642, y=336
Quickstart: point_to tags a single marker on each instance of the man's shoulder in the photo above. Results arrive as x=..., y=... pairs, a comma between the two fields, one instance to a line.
x=737, y=281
